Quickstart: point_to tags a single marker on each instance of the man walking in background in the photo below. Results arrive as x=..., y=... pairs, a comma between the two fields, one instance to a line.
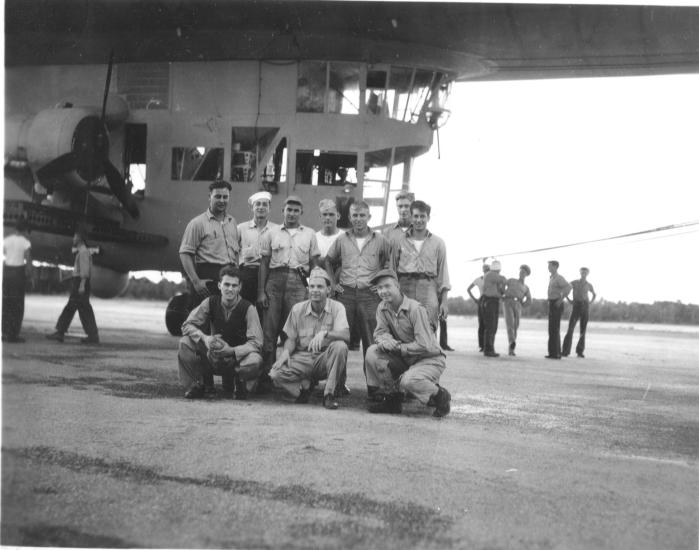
x=478, y=283
x=557, y=291
x=493, y=289
x=16, y=268
x=517, y=296
x=581, y=310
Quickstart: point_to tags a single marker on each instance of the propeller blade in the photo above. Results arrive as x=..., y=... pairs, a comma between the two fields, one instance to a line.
x=106, y=85
x=118, y=187
x=57, y=167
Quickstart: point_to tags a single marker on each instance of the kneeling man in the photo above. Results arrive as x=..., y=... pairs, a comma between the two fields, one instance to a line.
x=221, y=336
x=316, y=345
x=406, y=356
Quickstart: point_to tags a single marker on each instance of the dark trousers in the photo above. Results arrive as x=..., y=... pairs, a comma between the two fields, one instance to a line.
x=248, y=278
x=360, y=306
x=491, y=313
x=205, y=271
x=555, y=312
x=13, y=282
x=80, y=303
x=481, y=324
x=284, y=289
x=581, y=311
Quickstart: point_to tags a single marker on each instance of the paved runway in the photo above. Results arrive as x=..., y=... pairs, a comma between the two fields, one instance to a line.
x=99, y=448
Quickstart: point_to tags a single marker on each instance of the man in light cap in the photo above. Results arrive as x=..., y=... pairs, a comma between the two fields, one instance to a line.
x=316, y=345
x=250, y=233
x=517, y=296
x=493, y=289
x=406, y=356
x=288, y=252
x=558, y=289
x=329, y=231
x=478, y=283
x=581, y=310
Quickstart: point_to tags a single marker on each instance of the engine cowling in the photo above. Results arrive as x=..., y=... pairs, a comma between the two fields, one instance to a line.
x=107, y=283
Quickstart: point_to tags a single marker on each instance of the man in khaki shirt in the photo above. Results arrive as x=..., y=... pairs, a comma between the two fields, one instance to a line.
x=558, y=289
x=517, y=296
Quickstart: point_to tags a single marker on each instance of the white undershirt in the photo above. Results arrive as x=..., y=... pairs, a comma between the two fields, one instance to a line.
x=417, y=244
x=361, y=242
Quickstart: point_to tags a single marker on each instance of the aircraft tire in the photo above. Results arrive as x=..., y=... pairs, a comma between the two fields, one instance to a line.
x=176, y=313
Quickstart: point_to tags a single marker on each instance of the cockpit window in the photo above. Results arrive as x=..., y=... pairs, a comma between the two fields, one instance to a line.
x=326, y=168
x=197, y=163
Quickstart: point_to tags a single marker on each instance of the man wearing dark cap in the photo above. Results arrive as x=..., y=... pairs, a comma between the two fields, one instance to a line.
x=557, y=291
x=581, y=310
x=316, y=345
x=406, y=356
x=288, y=253
x=209, y=242
x=517, y=296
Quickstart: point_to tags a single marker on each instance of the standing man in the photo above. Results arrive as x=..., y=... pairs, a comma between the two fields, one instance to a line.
x=288, y=253
x=557, y=291
x=581, y=310
x=359, y=254
x=406, y=356
x=329, y=231
x=478, y=283
x=222, y=335
x=517, y=296
x=250, y=233
x=79, y=299
x=16, y=269
x=209, y=242
x=420, y=259
x=316, y=345
x=493, y=289
x=403, y=201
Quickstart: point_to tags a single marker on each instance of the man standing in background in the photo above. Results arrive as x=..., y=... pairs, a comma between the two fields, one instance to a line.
x=249, y=234
x=581, y=310
x=478, y=283
x=493, y=289
x=16, y=269
x=403, y=201
x=557, y=291
x=329, y=231
x=517, y=296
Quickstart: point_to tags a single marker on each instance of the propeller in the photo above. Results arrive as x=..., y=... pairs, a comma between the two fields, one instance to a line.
x=89, y=154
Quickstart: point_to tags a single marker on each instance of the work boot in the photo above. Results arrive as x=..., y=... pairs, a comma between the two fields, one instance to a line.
x=56, y=336
x=342, y=391
x=442, y=403
x=241, y=389
x=329, y=402
x=264, y=384
x=195, y=391
x=304, y=396
x=391, y=404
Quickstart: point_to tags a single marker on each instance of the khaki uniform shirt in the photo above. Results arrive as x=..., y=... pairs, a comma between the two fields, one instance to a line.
x=303, y=323
x=431, y=260
x=287, y=249
x=410, y=326
x=360, y=266
x=249, y=236
x=211, y=241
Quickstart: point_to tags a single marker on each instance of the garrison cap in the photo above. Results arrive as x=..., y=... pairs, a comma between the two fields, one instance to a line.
x=319, y=272
x=294, y=199
x=260, y=196
x=327, y=204
x=384, y=273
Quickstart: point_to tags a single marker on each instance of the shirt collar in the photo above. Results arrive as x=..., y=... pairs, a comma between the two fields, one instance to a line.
x=285, y=228
x=403, y=305
x=308, y=310
x=210, y=216
x=409, y=233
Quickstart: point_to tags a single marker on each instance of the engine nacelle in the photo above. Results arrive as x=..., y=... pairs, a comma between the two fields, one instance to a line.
x=107, y=283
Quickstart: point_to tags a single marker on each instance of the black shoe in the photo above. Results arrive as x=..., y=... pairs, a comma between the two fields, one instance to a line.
x=442, y=403
x=446, y=347
x=511, y=353
x=341, y=391
x=195, y=391
x=209, y=392
x=480, y=349
x=581, y=355
x=56, y=336
x=329, y=402
x=90, y=340
x=13, y=339
x=241, y=389
x=304, y=397
x=264, y=384
x=491, y=354
x=389, y=405
x=552, y=356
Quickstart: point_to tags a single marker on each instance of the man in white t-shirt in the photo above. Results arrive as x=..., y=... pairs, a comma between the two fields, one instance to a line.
x=328, y=226
x=17, y=256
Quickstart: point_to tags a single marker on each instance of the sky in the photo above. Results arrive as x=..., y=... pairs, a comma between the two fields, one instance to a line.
x=532, y=164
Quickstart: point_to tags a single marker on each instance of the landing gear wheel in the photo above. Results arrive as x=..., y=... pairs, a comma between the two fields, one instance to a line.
x=176, y=313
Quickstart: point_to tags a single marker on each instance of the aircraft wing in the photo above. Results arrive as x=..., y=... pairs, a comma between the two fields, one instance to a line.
x=475, y=41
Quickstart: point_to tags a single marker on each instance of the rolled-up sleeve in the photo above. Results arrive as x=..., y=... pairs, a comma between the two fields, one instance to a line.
x=198, y=318
x=191, y=238
x=442, y=268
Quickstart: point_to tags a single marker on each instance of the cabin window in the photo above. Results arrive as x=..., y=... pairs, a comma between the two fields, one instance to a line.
x=256, y=146
x=310, y=93
x=328, y=87
x=375, y=93
x=135, y=140
x=343, y=88
x=144, y=85
x=197, y=163
x=316, y=167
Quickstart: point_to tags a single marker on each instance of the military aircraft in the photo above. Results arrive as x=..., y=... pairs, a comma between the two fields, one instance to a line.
x=119, y=113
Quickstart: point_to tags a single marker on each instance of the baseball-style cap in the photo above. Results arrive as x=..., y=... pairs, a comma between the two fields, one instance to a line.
x=384, y=273
x=259, y=196
x=293, y=199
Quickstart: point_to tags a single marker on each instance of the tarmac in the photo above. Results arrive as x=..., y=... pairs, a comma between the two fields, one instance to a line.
x=99, y=448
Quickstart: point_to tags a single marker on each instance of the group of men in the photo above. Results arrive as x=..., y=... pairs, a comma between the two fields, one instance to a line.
x=313, y=290
x=514, y=294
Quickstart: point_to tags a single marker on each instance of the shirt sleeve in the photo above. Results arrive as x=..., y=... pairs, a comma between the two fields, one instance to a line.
x=339, y=317
x=290, y=327
x=314, y=249
x=266, y=243
x=442, y=268
x=191, y=238
x=198, y=318
x=334, y=252
x=253, y=334
x=382, y=332
x=425, y=344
